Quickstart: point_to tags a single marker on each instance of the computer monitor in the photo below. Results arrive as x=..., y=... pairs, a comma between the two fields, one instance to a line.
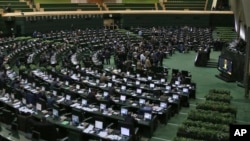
x=123, y=88
x=149, y=77
x=175, y=96
x=125, y=79
x=55, y=113
x=12, y=96
x=113, y=77
x=128, y=73
x=138, y=91
x=24, y=101
x=87, y=78
x=163, y=104
x=147, y=116
x=66, y=83
x=177, y=82
x=97, y=81
x=124, y=111
x=185, y=90
x=151, y=85
x=137, y=82
x=109, y=84
x=38, y=107
x=75, y=119
x=137, y=75
x=77, y=86
x=54, y=93
x=105, y=94
x=125, y=131
x=122, y=97
x=43, y=88
x=98, y=124
x=68, y=97
x=168, y=88
x=84, y=102
x=163, y=80
x=103, y=106
x=141, y=101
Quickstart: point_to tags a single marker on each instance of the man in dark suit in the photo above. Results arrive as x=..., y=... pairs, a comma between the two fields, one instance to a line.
x=130, y=119
x=92, y=97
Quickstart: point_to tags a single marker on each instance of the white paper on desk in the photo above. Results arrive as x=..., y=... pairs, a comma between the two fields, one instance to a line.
x=80, y=127
x=114, y=137
x=4, y=98
x=103, y=134
x=60, y=100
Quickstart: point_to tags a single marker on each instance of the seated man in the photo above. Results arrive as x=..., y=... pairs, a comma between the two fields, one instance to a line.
x=92, y=97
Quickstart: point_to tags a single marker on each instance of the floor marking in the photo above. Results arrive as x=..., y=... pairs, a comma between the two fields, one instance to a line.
x=161, y=139
x=173, y=124
x=183, y=113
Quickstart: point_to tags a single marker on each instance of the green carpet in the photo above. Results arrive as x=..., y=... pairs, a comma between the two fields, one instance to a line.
x=205, y=79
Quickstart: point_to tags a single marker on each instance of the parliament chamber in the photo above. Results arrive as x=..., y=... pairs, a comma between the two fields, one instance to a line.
x=86, y=70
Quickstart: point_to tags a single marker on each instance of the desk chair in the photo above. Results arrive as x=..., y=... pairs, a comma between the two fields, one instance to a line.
x=7, y=116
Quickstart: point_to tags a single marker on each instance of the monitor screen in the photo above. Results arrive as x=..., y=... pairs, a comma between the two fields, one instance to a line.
x=137, y=82
x=128, y=73
x=97, y=81
x=123, y=87
x=12, y=96
x=77, y=86
x=151, y=85
x=102, y=106
x=54, y=93
x=123, y=98
x=125, y=79
x=113, y=77
x=185, y=90
x=225, y=65
x=177, y=82
x=125, y=131
x=124, y=111
x=137, y=75
x=149, y=77
x=98, y=124
x=75, y=119
x=105, y=94
x=175, y=96
x=66, y=83
x=162, y=80
x=24, y=101
x=55, y=113
x=109, y=84
x=147, y=116
x=138, y=91
x=168, y=88
x=142, y=101
x=84, y=102
x=43, y=88
x=163, y=105
x=38, y=107
x=68, y=97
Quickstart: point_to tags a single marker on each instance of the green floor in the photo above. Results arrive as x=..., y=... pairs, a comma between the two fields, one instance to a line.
x=205, y=80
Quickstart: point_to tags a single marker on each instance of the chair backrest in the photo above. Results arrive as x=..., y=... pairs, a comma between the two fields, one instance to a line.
x=8, y=116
